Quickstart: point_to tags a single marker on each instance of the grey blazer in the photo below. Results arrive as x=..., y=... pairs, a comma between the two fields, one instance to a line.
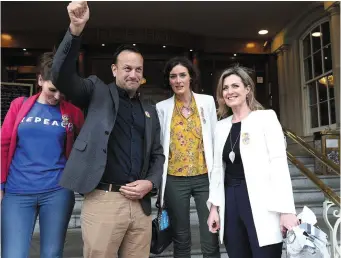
x=87, y=161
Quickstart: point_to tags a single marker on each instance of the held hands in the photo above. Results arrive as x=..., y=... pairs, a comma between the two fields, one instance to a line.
x=213, y=220
x=287, y=222
x=79, y=14
x=136, y=190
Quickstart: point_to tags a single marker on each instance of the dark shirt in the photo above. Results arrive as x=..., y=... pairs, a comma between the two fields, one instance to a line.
x=233, y=170
x=126, y=142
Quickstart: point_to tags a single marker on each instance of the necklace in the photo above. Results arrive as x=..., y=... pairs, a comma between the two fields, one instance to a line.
x=232, y=155
x=187, y=111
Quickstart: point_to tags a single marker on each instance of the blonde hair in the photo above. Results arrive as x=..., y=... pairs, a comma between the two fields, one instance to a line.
x=244, y=74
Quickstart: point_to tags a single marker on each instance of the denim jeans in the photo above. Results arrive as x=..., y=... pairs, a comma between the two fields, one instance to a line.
x=18, y=217
x=178, y=193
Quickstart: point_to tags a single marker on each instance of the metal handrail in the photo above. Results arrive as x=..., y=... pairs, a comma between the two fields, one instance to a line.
x=328, y=192
x=330, y=164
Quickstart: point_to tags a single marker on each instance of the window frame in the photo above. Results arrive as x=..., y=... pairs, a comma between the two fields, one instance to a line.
x=308, y=129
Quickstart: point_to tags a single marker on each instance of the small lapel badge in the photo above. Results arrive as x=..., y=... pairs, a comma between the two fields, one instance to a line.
x=246, y=138
x=70, y=127
x=202, y=115
x=65, y=120
x=147, y=114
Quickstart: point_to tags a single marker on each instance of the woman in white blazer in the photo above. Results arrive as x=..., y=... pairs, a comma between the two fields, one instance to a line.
x=251, y=200
x=187, y=124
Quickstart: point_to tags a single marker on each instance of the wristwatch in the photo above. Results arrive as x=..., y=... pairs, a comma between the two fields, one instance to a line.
x=154, y=190
x=154, y=187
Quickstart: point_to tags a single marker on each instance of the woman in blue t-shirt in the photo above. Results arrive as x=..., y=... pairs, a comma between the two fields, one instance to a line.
x=37, y=136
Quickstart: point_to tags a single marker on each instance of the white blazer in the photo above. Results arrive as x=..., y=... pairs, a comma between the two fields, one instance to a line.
x=208, y=119
x=267, y=175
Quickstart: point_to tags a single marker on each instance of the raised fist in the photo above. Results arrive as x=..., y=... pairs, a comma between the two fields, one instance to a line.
x=79, y=14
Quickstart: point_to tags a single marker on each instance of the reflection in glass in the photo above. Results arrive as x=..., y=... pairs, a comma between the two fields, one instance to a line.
x=322, y=89
x=327, y=80
x=325, y=33
x=324, y=113
x=317, y=64
x=314, y=116
x=331, y=87
x=327, y=53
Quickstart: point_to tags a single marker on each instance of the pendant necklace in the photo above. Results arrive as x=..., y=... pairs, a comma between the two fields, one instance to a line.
x=187, y=110
x=232, y=155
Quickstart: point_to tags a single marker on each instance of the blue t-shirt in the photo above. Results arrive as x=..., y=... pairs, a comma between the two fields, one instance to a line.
x=39, y=157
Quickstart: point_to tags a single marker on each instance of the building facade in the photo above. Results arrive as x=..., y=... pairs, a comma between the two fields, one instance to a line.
x=308, y=62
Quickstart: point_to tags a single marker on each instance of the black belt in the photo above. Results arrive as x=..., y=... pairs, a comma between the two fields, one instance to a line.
x=108, y=187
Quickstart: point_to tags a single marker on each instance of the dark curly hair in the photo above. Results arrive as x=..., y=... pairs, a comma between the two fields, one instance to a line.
x=184, y=61
x=44, y=66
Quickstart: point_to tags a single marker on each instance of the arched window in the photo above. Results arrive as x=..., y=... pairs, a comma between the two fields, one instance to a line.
x=318, y=77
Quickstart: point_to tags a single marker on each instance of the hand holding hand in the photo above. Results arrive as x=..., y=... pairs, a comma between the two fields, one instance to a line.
x=136, y=190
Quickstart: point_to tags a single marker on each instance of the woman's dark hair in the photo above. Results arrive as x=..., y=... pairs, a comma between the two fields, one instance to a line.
x=184, y=61
x=45, y=65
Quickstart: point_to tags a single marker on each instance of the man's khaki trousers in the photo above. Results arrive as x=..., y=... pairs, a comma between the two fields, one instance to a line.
x=114, y=225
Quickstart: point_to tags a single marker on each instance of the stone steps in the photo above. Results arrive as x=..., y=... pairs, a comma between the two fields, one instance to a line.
x=306, y=160
x=73, y=243
x=301, y=182
x=294, y=171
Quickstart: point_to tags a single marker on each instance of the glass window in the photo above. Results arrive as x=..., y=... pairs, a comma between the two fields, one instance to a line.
x=332, y=111
x=316, y=37
x=325, y=33
x=322, y=90
x=307, y=69
x=306, y=46
x=312, y=94
x=327, y=54
x=318, y=76
x=314, y=116
x=324, y=113
x=331, y=86
x=317, y=64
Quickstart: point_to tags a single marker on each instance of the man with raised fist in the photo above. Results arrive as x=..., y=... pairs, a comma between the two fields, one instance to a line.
x=117, y=159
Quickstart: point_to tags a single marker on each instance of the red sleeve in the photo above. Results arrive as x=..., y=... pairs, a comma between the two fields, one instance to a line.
x=6, y=134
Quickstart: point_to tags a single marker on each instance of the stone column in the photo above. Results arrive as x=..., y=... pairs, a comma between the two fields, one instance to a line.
x=273, y=78
x=334, y=21
x=294, y=90
x=282, y=56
